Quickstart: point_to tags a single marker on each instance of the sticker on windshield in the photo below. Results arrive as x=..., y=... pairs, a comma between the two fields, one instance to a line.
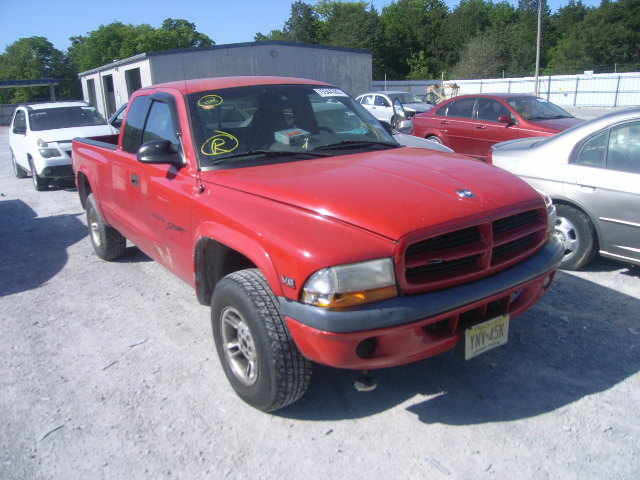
x=209, y=102
x=220, y=143
x=330, y=92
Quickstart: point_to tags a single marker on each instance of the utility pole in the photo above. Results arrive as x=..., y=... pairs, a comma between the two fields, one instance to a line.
x=538, y=47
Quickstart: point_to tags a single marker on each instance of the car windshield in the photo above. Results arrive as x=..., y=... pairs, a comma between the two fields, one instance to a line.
x=270, y=123
x=406, y=98
x=535, y=108
x=64, y=117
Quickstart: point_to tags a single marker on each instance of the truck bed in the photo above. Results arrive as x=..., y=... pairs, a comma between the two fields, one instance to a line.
x=107, y=141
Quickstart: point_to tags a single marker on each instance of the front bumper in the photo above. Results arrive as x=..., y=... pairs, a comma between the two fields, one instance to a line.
x=57, y=171
x=407, y=329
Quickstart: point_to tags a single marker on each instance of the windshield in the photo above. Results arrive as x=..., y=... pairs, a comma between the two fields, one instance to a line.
x=406, y=98
x=64, y=117
x=269, y=123
x=535, y=108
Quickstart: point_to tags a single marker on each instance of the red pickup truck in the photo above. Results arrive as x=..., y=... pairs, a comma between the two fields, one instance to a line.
x=312, y=234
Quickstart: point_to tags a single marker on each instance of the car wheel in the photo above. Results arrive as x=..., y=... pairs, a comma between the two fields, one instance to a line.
x=434, y=139
x=258, y=355
x=18, y=171
x=39, y=183
x=107, y=242
x=577, y=234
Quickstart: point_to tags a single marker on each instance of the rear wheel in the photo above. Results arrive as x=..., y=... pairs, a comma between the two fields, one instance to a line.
x=107, y=242
x=578, y=236
x=434, y=139
x=18, y=171
x=259, y=357
x=39, y=183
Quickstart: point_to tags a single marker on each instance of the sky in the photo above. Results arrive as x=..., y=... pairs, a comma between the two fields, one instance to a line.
x=224, y=21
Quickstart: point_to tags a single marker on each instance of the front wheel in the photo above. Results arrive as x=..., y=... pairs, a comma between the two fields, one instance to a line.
x=107, y=242
x=18, y=171
x=259, y=357
x=39, y=183
x=577, y=234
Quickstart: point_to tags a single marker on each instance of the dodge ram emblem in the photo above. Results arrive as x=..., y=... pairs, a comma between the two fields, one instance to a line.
x=465, y=194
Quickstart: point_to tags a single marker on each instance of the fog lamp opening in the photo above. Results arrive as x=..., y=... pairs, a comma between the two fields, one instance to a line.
x=366, y=347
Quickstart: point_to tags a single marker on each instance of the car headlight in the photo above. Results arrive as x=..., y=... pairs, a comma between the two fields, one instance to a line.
x=47, y=152
x=551, y=212
x=352, y=284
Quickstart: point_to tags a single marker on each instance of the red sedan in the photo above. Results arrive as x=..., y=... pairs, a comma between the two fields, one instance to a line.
x=470, y=124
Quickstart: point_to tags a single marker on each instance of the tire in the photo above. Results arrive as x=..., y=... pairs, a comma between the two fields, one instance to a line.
x=258, y=355
x=434, y=139
x=576, y=232
x=18, y=171
x=107, y=242
x=39, y=183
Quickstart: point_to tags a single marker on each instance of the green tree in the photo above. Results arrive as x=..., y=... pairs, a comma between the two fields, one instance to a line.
x=607, y=36
x=117, y=41
x=31, y=58
x=480, y=58
x=352, y=25
x=173, y=34
x=272, y=35
x=411, y=26
x=304, y=25
x=468, y=19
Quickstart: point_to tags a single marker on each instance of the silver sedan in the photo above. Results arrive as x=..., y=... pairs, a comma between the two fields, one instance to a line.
x=592, y=174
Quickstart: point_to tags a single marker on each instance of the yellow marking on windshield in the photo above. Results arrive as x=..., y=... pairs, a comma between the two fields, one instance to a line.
x=209, y=102
x=220, y=143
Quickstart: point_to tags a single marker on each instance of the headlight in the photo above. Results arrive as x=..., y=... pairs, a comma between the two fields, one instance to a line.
x=353, y=284
x=551, y=212
x=50, y=152
x=47, y=152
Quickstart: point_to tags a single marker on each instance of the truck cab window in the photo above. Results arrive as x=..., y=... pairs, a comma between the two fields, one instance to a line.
x=132, y=133
x=159, y=125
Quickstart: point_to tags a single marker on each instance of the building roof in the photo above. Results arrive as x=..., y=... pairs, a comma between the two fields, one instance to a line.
x=142, y=56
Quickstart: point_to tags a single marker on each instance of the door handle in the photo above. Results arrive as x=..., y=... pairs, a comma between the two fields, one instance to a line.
x=135, y=181
x=444, y=122
x=480, y=127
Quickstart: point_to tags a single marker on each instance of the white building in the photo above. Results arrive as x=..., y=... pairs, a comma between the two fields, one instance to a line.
x=109, y=86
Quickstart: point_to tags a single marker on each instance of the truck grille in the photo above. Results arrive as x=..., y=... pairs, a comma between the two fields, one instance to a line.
x=475, y=251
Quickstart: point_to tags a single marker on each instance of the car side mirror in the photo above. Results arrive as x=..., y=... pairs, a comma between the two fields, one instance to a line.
x=160, y=152
x=505, y=119
x=20, y=130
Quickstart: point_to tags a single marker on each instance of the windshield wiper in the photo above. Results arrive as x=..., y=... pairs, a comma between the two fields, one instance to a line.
x=269, y=154
x=356, y=144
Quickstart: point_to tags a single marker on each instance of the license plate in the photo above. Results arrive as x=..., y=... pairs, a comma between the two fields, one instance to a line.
x=485, y=336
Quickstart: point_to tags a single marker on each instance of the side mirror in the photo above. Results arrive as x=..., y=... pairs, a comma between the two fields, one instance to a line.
x=405, y=126
x=160, y=152
x=20, y=130
x=505, y=119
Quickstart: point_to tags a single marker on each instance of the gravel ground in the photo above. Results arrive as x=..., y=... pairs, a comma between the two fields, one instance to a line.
x=108, y=371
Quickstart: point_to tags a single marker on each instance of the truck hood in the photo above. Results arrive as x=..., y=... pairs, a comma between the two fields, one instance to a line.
x=391, y=192
x=68, y=134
